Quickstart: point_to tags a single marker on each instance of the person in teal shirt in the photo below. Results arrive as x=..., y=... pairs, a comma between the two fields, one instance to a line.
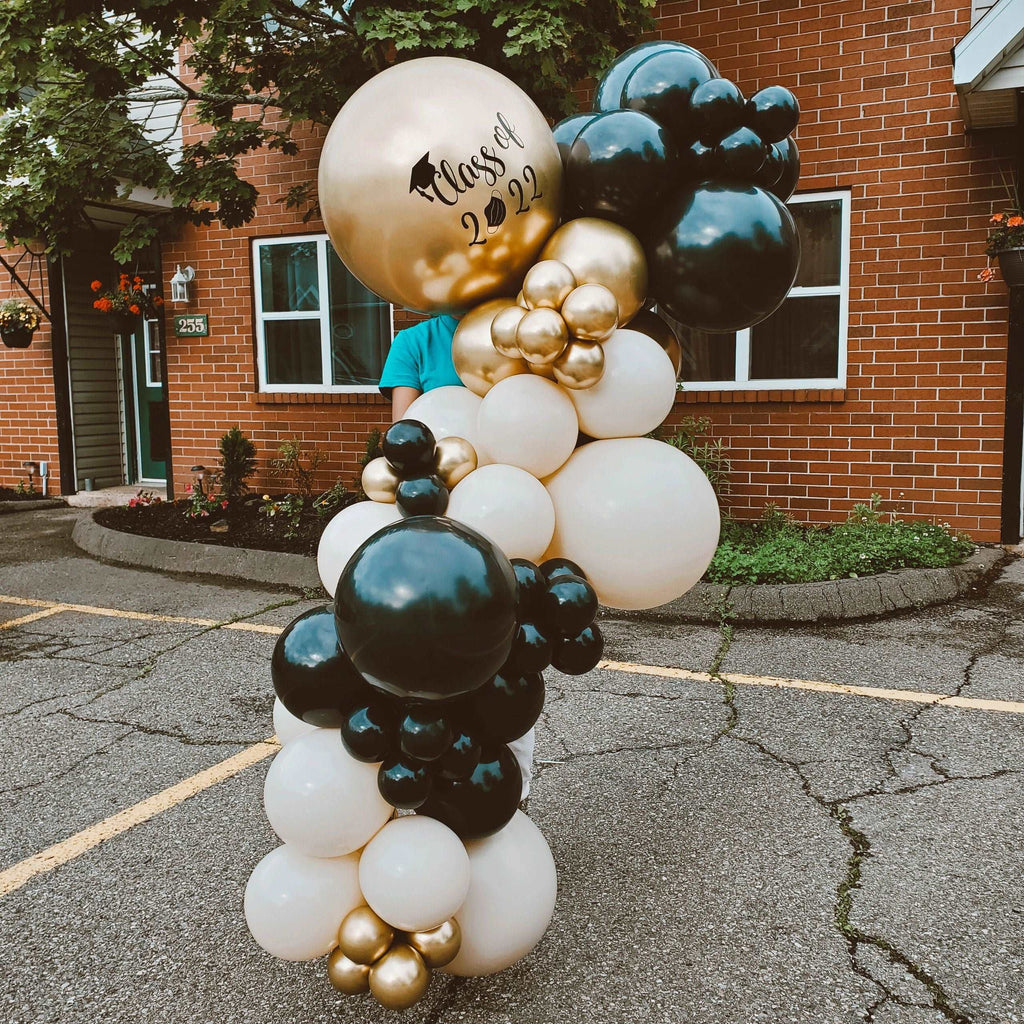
x=420, y=360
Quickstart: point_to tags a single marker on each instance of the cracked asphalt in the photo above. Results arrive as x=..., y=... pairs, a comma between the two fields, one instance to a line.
x=726, y=853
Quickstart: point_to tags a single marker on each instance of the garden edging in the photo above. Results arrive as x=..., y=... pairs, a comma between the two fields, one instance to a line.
x=30, y=505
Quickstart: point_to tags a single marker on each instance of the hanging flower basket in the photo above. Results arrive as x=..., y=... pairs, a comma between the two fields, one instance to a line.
x=1011, y=266
x=18, y=322
x=128, y=301
x=17, y=339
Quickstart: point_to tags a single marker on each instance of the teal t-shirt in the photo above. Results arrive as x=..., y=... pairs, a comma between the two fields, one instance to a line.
x=421, y=357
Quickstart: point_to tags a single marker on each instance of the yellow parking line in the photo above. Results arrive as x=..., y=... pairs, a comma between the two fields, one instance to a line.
x=74, y=846
x=45, y=613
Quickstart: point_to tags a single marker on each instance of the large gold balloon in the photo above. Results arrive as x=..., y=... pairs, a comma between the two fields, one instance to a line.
x=591, y=312
x=380, y=481
x=600, y=252
x=399, y=978
x=503, y=331
x=542, y=335
x=479, y=365
x=439, y=182
x=547, y=284
x=581, y=365
x=649, y=323
x=439, y=946
x=454, y=459
x=346, y=975
x=364, y=937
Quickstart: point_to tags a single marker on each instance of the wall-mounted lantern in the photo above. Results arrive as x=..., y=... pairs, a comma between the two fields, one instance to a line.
x=182, y=285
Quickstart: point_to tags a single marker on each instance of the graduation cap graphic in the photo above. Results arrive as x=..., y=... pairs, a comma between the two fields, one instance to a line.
x=423, y=174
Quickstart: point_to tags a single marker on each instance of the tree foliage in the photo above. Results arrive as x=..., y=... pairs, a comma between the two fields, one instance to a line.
x=78, y=77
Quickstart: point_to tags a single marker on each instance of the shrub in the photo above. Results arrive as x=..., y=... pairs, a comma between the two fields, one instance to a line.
x=298, y=465
x=237, y=463
x=708, y=453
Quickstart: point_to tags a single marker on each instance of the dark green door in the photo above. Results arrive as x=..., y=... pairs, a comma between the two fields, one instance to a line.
x=152, y=434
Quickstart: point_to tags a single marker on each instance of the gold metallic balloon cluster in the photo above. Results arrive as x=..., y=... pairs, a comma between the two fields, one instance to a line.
x=454, y=458
x=394, y=966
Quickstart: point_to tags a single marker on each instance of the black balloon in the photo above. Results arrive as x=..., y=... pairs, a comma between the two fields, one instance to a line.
x=426, y=608
x=771, y=170
x=619, y=166
x=662, y=86
x=773, y=113
x=569, y=605
x=579, y=654
x=566, y=130
x=721, y=258
x=740, y=156
x=409, y=446
x=789, y=158
x=422, y=496
x=369, y=731
x=312, y=674
x=424, y=733
x=483, y=803
x=716, y=109
x=609, y=89
x=404, y=784
x=697, y=163
x=531, y=649
x=532, y=585
x=507, y=706
x=461, y=757
x=555, y=567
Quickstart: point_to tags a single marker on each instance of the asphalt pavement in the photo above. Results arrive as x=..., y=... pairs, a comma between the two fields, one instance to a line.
x=736, y=842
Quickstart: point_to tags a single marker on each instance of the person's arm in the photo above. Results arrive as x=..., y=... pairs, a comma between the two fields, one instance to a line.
x=401, y=399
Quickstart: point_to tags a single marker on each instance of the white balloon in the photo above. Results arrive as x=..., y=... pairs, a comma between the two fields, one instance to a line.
x=638, y=516
x=287, y=726
x=529, y=422
x=508, y=506
x=512, y=890
x=450, y=412
x=414, y=873
x=635, y=393
x=320, y=799
x=294, y=904
x=345, y=532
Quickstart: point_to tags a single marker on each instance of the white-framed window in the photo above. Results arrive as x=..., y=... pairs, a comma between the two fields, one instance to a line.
x=802, y=345
x=317, y=327
x=151, y=341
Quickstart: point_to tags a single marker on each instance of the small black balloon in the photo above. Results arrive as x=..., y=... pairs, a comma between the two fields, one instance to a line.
x=662, y=86
x=569, y=605
x=565, y=132
x=531, y=649
x=532, y=585
x=555, y=567
x=771, y=170
x=716, y=109
x=370, y=731
x=422, y=496
x=483, y=803
x=697, y=163
x=508, y=706
x=461, y=757
x=579, y=654
x=312, y=673
x=609, y=90
x=424, y=733
x=409, y=446
x=740, y=156
x=404, y=784
x=789, y=158
x=773, y=113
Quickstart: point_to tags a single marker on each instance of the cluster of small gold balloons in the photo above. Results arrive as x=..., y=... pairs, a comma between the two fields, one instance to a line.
x=394, y=966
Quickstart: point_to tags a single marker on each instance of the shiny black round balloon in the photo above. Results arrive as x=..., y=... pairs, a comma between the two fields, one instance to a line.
x=609, y=90
x=370, y=731
x=311, y=672
x=579, y=654
x=485, y=802
x=771, y=170
x=552, y=568
x=531, y=649
x=716, y=108
x=619, y=167
x=422, y=496
x=507, y=706
x=721, y=257
x=789, y=158
x=426, y=608
x=773, y=113
x=697, y=163
x=404, y=784
x=740, y=156
x=461, y=757
x=409, y=446
x=532, y=586
x=565, y=132
x=662, y=86
x=424, y=733
x=569, y=605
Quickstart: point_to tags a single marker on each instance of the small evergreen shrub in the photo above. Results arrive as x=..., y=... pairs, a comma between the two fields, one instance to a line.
x=237, y=463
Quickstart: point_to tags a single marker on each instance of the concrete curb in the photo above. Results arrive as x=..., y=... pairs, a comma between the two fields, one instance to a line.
x=30, y=506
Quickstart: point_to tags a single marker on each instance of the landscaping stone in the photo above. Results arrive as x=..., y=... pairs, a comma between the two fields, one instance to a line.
x=31, y=506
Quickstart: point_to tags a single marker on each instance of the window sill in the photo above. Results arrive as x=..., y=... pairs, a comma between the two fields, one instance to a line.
x=317, y=398
x=745, y=397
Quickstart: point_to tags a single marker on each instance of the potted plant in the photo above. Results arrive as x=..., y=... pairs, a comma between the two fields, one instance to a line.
x=18, y=322
x=128, y=300
x=1006, y=243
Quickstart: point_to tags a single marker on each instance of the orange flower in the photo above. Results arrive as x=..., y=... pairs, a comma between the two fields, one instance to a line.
x=987, y=274
x=997, y=218
x=135, y=309
x=158, y=300
x=98, y=304
x=136, y=280
x=96, y=285
x=1015, y=221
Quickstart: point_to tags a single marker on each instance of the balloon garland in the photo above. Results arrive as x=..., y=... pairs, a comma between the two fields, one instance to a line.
x=502, y=513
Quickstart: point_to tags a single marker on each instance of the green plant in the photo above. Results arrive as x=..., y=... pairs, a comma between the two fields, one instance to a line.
x=298, y=465
x=16, y=315
x=371, y=450
x=331, y=500
x=709, y=453
x=199, y=505
x=23, y=489
x=289, y=508
x=237, y=463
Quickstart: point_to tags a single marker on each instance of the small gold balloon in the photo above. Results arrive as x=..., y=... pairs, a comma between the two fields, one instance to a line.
x=547, y=284
x=503, y=331
x=591, y=312
x=479, y=365
x=454, y=458
x=364, y=937
x=581, y=365
x=399, y=978
x=542, y=335
x=346, y=975
x=648, y=322
x=439, y=946
x=542, y=370
x=380, y=481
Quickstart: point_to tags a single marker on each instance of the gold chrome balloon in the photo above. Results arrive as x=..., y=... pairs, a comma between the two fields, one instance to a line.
x=399, y=978
x=503, y=331
x=380, y=481
x=439, y=182
x=581, y=365
x=600, y=252
x=547, y=284
x=542, y=370
x=454, y=458
x=346, y=975
x=363, y=936
x=479, y=365
x=439, y=946
x=542, y=336
x=591, y=312
x=648, y=322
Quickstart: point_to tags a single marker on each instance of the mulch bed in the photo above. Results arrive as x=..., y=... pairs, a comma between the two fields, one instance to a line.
x=10, y=494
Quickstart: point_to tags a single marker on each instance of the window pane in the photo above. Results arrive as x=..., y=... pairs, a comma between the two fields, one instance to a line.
x=288, y=275
x=706, y=357
x=799, y=340
x=153, y=352
x=360, y=328
x=293, y=351
x=820, y=228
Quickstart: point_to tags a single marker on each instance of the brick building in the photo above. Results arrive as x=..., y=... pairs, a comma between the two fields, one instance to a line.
x=885, y=371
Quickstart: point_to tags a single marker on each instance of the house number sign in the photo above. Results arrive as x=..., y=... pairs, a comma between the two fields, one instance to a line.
x=191, y=325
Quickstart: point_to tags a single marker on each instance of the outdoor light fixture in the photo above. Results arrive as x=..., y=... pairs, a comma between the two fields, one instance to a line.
x=181, y=285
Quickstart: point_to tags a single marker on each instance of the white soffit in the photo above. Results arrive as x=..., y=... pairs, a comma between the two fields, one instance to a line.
x=988, y=67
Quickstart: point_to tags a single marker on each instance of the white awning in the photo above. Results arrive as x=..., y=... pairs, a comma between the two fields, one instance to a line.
x=988, y=67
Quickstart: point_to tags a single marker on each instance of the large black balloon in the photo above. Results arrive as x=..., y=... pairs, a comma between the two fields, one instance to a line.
x=773, y=113
x=579, y=654
x=565, y=132
x=740, y=157
x=721, y=258
x=789, y=158
x=422, y=496
x=619, y=166
x=370, y=730
x=409, y=446
x=662, y=86
x=426, y=608
x=609, y=89
x=482, y=804
x=311, y=672
x=569, y=606
x=508, y=706
x=716, y=109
